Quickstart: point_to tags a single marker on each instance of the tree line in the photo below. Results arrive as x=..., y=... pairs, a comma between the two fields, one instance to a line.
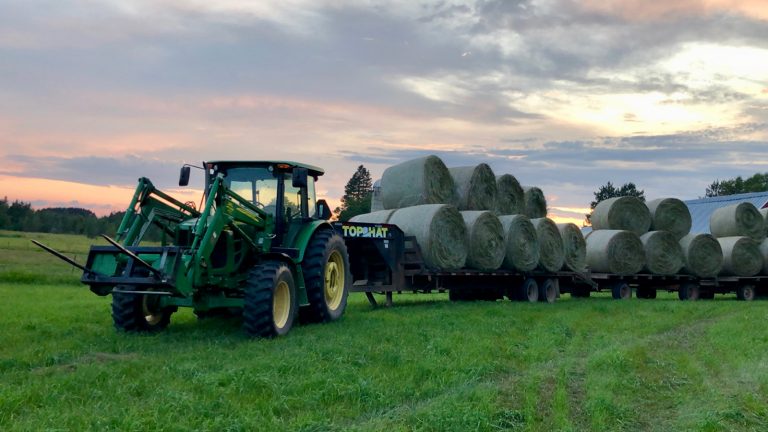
x=20, y=216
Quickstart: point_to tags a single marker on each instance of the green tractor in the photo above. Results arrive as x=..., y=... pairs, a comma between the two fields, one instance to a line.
x=261, y=245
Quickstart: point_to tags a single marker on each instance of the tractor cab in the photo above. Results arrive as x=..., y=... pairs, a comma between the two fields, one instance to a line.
x=285, y=190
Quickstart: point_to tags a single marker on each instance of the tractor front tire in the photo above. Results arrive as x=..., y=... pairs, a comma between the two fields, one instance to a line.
x=139, y=313
x=270, y=304
x=327, y=276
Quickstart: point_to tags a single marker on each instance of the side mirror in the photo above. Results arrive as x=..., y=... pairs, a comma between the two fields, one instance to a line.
x=323, y=211
x=184, y=175
x=300, y=177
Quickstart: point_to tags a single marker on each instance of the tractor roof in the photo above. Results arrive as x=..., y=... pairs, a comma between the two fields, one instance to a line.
x=313, y=170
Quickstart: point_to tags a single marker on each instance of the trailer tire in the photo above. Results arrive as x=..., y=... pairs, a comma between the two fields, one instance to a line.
x=327, y=276
x=621, y=291
x=139, y=313
x=689, y=291
x=745, y=292
x=548, y=291
x=528, y=291
x=270, y=305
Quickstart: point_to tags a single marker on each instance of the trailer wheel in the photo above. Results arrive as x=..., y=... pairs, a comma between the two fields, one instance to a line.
x=527, y=291
x=270, y=300
x=139, y=312
x=745, y=292
x=548, y=291
x=327, y=276
x=689, y=291
x=621, y=291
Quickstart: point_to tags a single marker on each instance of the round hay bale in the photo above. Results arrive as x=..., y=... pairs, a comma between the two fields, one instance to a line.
x=702, y=255
x=764, y=253
x=622, y=213
x=741, y=256
x=574, y=247
x=670, y=214
x=376, y=203
x=615, y=251
x=475, y=187
x=764, y=212
x=380, y=217
x=521, y=243
x=663, y=253
x=440, y=231
x=510, y=197
x=551, y=254
x=486, y=240
x=415, y=182
x=535, y=202
x=742, y=219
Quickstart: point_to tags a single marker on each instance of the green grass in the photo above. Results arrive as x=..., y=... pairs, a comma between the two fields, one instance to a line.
x=425, y=364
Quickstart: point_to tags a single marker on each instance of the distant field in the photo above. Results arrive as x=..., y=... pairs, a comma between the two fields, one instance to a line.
x=425, y=364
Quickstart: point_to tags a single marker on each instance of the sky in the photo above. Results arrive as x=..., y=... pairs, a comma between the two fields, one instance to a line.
x=566, y=95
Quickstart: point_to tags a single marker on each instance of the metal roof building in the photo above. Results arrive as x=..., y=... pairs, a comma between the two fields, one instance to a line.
x=702, y=208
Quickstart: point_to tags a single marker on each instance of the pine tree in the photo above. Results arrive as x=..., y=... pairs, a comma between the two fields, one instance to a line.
x=357, y=195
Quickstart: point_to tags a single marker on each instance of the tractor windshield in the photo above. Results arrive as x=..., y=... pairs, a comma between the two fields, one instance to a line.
x=259, y=186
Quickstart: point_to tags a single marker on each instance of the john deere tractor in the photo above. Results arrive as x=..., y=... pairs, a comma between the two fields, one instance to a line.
x=260, y=244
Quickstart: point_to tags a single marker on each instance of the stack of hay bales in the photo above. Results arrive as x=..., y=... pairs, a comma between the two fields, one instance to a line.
x=614, y=245
x=740, y=230
x=437, y=205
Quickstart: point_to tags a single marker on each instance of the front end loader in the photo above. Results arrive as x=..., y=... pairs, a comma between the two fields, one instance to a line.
x=260, y=245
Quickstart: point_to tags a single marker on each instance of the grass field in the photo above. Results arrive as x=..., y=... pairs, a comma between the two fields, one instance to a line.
x=425, y=364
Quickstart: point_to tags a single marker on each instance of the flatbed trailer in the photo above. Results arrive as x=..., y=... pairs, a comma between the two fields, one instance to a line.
x=383, y=260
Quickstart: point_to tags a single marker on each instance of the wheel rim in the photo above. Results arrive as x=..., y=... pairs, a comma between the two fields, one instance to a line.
x=149, y=307
x=625, y=291
x=334, y=280
x=281, y=304
x=551, y=293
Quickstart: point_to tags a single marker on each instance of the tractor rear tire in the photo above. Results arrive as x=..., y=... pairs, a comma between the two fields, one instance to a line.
x=139, y=313
x=270, y=304
x=327, y=276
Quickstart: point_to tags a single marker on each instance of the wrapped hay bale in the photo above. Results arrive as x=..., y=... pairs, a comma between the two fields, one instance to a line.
x=485, y=240
x=663, y=253
x=702, y=255
x=521, y=243
x=376, y=204
x=475, y=187
x=615, y=251
x=741, y=256
x=381, y=217
x=574, y=247
x=510, y=197
x=551, y=255
x=440, y=231
x=535, y=202
x=742, y=219
x=670, y=214
x=415, y=182
x=621, y=213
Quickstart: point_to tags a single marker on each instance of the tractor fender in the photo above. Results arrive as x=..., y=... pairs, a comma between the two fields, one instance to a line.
x=304, y=235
